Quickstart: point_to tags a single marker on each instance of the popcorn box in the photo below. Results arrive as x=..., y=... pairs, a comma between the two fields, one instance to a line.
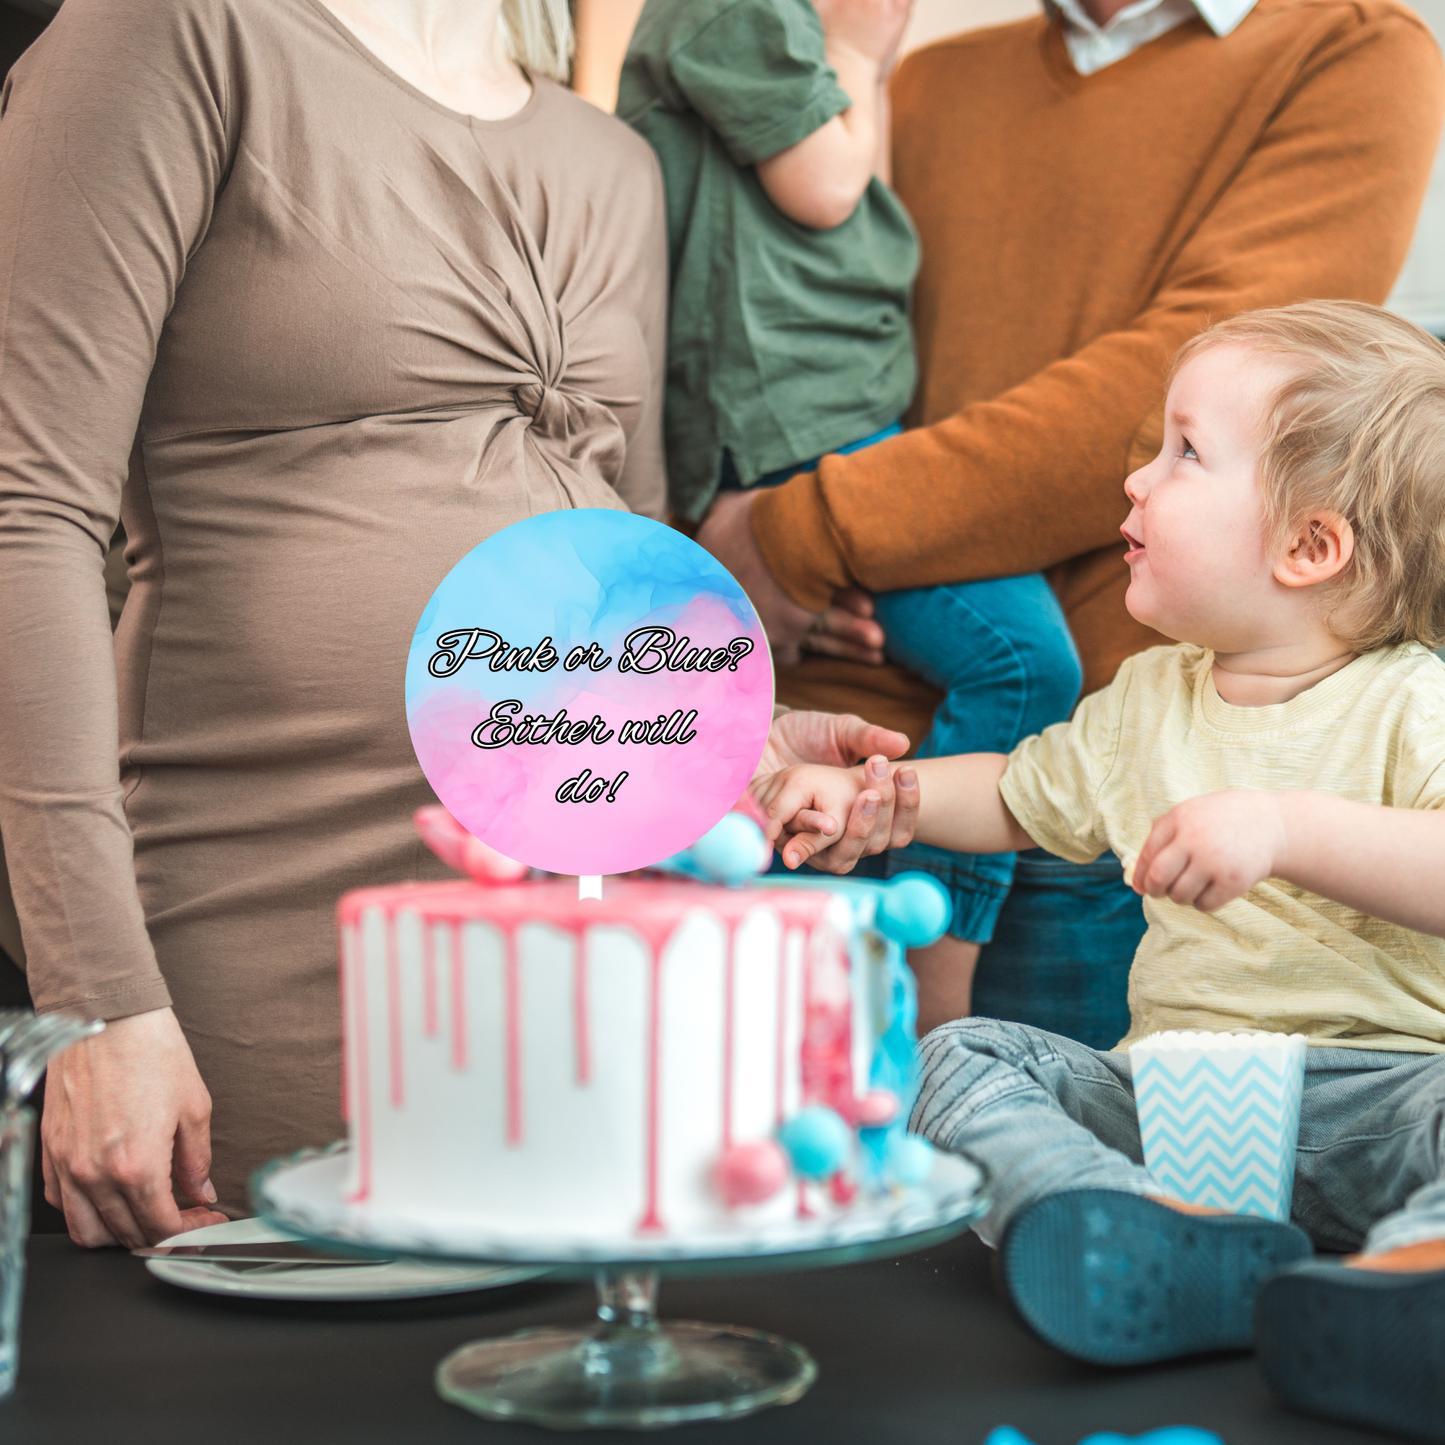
x=1219, y=1117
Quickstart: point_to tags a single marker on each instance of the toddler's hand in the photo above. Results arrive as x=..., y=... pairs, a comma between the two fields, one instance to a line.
x=1210, y=850
x=812, y=804
x=871, y=29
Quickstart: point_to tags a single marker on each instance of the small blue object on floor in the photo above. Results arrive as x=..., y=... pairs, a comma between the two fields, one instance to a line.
x=1118, y=1279
x=1169, y=1435
x=1365, y=1346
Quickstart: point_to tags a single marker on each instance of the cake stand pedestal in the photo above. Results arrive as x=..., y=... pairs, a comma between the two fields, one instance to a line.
x=630, y=1370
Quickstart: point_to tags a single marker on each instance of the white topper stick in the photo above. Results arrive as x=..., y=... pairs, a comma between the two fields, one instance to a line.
x=589, y=886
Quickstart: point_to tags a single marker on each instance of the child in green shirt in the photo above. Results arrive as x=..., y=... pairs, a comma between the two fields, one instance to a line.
x=789, y=337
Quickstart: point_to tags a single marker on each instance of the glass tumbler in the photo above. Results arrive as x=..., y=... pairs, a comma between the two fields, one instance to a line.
x=17, y=1142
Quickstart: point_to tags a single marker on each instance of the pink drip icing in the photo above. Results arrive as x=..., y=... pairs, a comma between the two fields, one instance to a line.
x=430, y=1011
x=459, y=1000
x=363, y=1094
x=580, y=1021
x=345, y=1026
x=393, y=1014
x=729, y=992
x=655, y=934
x=513, y=1005
x=780, y=1062
x=652, y=909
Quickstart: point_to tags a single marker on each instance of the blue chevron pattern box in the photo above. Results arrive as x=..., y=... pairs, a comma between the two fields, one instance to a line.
x=1219, y=1117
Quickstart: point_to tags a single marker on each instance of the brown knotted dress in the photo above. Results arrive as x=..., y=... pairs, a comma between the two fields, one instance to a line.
x=313, y=337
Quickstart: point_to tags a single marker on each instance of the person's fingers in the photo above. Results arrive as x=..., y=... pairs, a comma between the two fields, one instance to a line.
x=802, y=846
x=809, y=820
x=82, y=1221
x=134, y=1199
x=192, y=1158
x=842, y=854
x=1215, y=896
x=855, y=738
x=841, y=622
x=199, y=1218
x=1168, y=864
x=1189, y=885
x=826, y=645
x=788, y=654
x=783, y=802
x=48, y=1174
x=1160, y=836
x=854, y=599
x=906, y=799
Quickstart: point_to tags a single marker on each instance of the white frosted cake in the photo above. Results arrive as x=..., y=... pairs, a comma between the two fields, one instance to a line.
x=675, y=1058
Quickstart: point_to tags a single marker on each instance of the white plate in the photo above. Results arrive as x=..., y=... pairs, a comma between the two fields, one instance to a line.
x=404, y=1279
x=306, y=1194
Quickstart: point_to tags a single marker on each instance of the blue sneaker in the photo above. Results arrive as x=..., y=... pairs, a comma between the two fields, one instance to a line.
x=1119, y=1279
x=1360, y=1345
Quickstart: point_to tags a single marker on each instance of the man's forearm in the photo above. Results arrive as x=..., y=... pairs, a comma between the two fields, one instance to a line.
x=1387, y=862
x=961, y=807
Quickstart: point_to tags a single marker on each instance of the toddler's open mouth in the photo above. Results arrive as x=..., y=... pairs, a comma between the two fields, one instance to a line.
x=1135, y=545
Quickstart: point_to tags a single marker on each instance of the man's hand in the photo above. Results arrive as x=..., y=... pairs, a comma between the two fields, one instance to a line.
x=883, y=816
x=123, y=1112
x=1211, y=850
x=727, y=532
x=848, y=629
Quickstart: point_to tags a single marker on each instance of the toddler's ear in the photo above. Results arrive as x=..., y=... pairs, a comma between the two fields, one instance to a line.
x=1320, y=548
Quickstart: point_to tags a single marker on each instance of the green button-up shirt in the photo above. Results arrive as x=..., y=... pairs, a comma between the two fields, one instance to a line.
x=783, y=342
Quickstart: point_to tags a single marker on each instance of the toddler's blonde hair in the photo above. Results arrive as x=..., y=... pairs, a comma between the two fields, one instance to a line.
x=1358, y=429
x=538, y=36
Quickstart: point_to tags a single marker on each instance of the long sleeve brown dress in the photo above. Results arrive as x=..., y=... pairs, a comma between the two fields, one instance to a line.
x=313, y=337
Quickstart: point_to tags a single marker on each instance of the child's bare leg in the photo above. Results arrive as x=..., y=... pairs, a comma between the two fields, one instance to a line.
x=1421, y=1258
x=1184, y=1208
x=944, y=971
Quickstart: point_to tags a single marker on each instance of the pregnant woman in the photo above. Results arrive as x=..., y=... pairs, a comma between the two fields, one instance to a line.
x=315, y=297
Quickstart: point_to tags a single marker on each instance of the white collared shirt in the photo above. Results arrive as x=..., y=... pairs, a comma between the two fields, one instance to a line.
x=1091, y=47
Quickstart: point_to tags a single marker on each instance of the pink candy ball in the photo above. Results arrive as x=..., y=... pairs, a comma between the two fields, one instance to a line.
x=750, y=1173
x=877, y=1108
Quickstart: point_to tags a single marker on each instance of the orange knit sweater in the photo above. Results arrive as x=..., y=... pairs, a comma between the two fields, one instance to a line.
x=1076, y=230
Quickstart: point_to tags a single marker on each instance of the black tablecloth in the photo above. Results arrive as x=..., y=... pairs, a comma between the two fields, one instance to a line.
x=916, y=1350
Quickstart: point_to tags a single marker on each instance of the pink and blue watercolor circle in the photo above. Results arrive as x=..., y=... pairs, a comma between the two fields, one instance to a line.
x=589, y=691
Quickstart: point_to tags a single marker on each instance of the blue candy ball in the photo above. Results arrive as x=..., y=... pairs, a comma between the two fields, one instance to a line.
x=914, y=910
x=910, y=1159
x=732, y=851
x=817, y=1141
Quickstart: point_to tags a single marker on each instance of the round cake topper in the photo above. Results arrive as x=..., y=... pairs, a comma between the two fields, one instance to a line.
x=589, y=691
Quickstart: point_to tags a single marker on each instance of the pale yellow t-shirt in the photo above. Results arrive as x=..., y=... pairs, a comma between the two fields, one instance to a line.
x=1279, y=958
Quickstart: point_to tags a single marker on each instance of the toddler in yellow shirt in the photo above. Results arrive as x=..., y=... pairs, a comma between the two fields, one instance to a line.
x=1275, y=786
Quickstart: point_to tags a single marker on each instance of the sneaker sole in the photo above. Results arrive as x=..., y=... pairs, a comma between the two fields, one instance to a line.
x=1357, y=1345
x=1118, y=1279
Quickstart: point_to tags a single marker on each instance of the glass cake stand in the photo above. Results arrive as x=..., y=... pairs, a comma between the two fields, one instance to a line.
x=629, y=1370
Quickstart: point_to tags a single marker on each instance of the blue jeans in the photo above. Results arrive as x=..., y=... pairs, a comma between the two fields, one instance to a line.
x=1044, y=1114
x=1001, y=653
x=1062, y=950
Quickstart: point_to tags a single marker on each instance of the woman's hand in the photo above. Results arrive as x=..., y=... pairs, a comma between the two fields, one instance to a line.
x=884, y=816
x=123, y=1112
x=848, y=629
x=727, y=532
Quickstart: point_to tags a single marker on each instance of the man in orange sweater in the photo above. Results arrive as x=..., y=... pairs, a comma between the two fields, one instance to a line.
x=1091, y=189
